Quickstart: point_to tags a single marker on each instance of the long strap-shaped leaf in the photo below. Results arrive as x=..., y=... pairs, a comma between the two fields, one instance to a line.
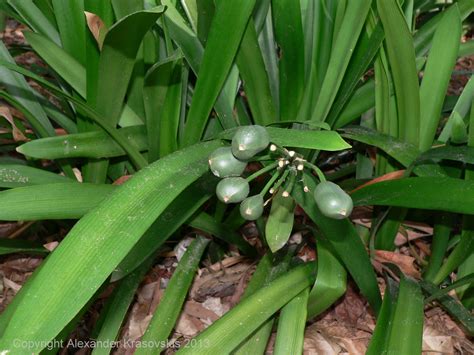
x=72, y=27
x=291, y=325
x=224, y=38
x=176, y=214
x=60, y=61
x=330, y=282
x=439, y=67
x=96, y=144
x=115, y=310
x=229, y=331
x=135, y=156
x=15, y=175
x=35, y=19
x=289, y=37
x=255, y=77
x=269, y=268
x=117, y=60
x=24, y=94
x=383, y=326
x=401, y=55
x=353, y=21
x=423, y=37
x=418, y=193
x=193, y=50
x=100, y=145
x=51, y=201
x=170, y=305
x=96, y=245
x=406, y=331
x=346, y=242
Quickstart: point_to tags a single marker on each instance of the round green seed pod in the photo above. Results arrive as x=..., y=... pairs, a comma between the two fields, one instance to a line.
x=249, y=140
x=223, y=163
x=252, y=207
x=232, y=190
x=332, y=201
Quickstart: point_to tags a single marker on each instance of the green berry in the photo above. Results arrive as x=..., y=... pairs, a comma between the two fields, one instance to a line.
x=223, y=163
x=332, y=201
x=249, y=140
x=252, y=207
x=232, y=189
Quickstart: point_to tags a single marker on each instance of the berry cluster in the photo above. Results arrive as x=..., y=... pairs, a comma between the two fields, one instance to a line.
x=229, y=163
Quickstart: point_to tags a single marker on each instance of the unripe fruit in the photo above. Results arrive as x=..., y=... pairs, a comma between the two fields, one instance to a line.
x=223, y=163
x=332, y=201
x=249, y=140
x=252, y=207
x=232, y=190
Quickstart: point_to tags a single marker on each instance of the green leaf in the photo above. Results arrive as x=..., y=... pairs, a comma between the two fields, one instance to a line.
x=255, y=79
x=97, y=243
x=19, y=175
x=439, y=244
x=162, y=96
x=61, y=62
x=289, y=37
x=463, y=250
x=361, y=101
x=52, y=201
x=175, y=215
x=19, y=89
x=460, y=282
x=193, y=51
x=404, y=153
x=224, y=38
x=291, y=326
x=423, y=37
x=191, y=9
x=11, y=246
x=401, y=55
x=453, y=307
x=346, y=242
x=170, y=305
x=353, y=21
x=268, y=269
x=134, y=155
x=70, y=17
x=35, y=19
x=382, y=330
x=116, y=308
x=280, y=222
x=236, y=325
x=464, y=154
x=117, y=60
x=331, y=280
x=96, y=144
x=365, y=52
x=123, y=8
x=438, y=70
x=461, y=109
x=318, y=21
x=418, y=193
x=407, y=323
x=320, y=140
x=208, y=224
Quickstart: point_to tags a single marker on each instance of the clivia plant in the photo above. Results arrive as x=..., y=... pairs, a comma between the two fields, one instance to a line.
x=152, y=115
